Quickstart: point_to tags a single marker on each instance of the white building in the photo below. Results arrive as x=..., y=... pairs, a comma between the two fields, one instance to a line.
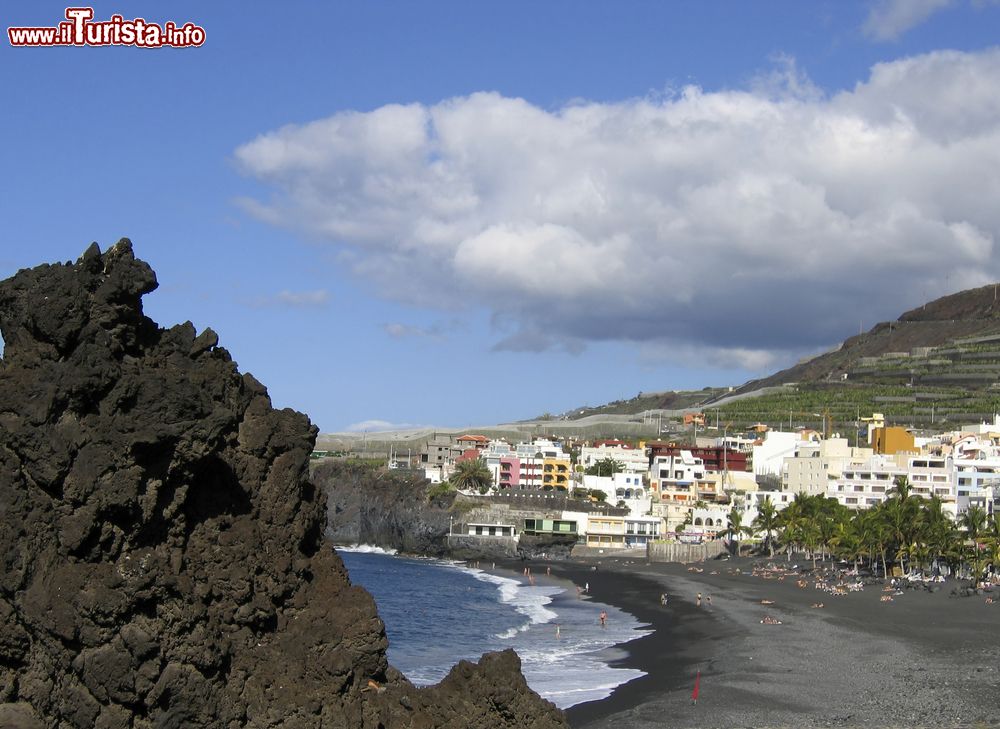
x=815, y=465
x=623, y=487
x=640, y=530
x=978, y=483
x=678, y=483
x=708, y=521
x=752, y=501
x=633, y=460
x=770, y=455
x=867, y=484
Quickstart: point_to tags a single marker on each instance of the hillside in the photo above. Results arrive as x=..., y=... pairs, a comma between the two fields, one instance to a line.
x=939, y=362
x=957, y=318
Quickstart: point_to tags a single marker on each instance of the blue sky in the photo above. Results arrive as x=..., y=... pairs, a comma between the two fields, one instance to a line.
x=457, y=213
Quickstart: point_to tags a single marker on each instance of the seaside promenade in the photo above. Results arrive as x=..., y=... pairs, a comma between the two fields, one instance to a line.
x=921, y=659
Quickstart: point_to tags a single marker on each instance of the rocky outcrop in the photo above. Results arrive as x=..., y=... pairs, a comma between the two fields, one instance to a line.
x=399, y=511
x=161, y=544
x=384, y=508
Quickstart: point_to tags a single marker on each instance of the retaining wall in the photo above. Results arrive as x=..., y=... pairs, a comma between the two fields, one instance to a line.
x=678, y=552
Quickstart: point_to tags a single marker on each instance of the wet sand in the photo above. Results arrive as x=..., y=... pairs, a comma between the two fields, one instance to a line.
x=922, y=660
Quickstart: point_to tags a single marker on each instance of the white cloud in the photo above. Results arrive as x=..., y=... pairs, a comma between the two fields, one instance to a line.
x=889, y=19
x=298, y=299
x=739, y=224
x=380, y=426
x=438, y=331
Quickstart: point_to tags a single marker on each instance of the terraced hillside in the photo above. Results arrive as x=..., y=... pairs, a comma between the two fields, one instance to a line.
x=939, y=363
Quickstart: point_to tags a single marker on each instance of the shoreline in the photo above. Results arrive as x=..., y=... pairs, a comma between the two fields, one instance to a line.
x=922, y=659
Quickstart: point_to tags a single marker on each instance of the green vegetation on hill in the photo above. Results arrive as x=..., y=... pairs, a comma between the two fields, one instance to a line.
x=938, y=363
x=670, y=400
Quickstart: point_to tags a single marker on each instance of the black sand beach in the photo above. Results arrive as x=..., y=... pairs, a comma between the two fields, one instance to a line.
x=920, y=660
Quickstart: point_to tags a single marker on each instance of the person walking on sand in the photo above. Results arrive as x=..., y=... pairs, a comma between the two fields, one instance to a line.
x=698, y=601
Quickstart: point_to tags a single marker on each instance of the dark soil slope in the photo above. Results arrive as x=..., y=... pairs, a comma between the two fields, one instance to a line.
x=971, y=313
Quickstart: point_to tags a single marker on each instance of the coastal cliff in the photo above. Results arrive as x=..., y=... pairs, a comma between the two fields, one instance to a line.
x=163, y=560
x=388, y=509
x=399, y=511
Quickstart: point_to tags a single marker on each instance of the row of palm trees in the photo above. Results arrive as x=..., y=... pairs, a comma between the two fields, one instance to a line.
x=905, y=530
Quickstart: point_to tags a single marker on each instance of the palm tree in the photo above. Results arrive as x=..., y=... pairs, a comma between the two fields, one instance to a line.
x=879, y=535
x=792, y=521
x=901, y=515
x=901, y=488
x=846, y=541
x=935, y=529
x=767, y=521
x=974, y=523
x=472, y=474
x=735, y=528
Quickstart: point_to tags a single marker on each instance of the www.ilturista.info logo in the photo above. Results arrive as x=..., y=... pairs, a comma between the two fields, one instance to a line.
x=80, y=29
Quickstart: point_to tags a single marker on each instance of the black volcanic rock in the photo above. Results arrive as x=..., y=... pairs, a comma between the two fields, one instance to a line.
x=161, y=543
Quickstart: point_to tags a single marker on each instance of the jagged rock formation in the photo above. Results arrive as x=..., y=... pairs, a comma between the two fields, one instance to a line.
x=161, y=544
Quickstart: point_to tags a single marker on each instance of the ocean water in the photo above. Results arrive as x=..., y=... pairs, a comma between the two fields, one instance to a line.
x=437, y=613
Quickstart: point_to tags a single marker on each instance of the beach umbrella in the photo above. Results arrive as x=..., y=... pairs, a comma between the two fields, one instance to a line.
x=697, y=684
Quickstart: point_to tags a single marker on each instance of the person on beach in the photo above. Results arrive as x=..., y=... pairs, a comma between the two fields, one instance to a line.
x=708, y=599
x=604, y=619
x=698, y=601
x=663, y=598
x=586, y=587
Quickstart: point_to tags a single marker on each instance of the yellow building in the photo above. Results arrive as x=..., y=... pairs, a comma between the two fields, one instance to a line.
x=892, y=440
x=606, y=531
x=556, y=472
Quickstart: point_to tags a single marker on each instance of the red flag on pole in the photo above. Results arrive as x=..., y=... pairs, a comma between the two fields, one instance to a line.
x=697, y=682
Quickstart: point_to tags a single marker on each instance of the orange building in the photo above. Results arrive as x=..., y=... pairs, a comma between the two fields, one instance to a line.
x=891, y=440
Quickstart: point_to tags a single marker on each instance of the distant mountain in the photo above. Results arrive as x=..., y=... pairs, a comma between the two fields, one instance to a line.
x=970, y=314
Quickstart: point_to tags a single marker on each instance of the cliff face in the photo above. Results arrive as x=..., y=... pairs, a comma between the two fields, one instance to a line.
x=392, y=510
x=385, y=509
x=161, y=544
